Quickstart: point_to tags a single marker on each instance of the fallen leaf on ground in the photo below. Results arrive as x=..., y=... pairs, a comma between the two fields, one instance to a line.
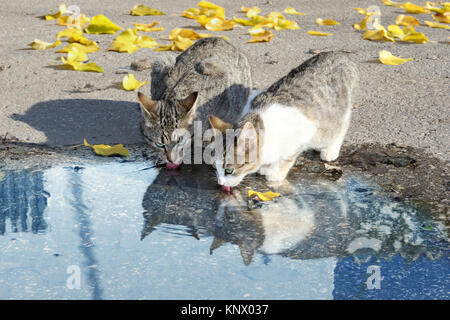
x=437, y=25
x=78, y=22
x=260, y=35
x=106, y=150
x=75, y=61
x=149, y=27
x=218, y=24
x=266, y=196
x=412, y=8
x=42, y=45
x=255, y=9
x=61, y=10
x=141, y=10
x=70, y=33
x=128, y=41
x=377, y=35
x=290, y=10
x=101, y=24
x=416, y=37
x=442, y=17
x=130, y=83
x=187, y=33
x=92, y=46
x=406, y=21
x=387, y=58
x=326, y=22
x=319, y=33
x=178, y=44
x=395, y=31
x=392, y=3
x=360, y=10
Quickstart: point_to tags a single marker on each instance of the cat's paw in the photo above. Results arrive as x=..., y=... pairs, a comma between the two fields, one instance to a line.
x=330, y=154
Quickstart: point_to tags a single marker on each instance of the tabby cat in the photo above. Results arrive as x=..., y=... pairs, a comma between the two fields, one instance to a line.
x=211, y=77
x=307, y=109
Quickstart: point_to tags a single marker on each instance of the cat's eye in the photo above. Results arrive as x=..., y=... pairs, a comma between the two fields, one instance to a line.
x=159, y=145
x=229, y=171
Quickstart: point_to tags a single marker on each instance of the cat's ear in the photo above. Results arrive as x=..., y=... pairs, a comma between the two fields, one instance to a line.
x=219, y=124
x=149, y=106
x=160, y=70
x=188, y=103
x=210, y=67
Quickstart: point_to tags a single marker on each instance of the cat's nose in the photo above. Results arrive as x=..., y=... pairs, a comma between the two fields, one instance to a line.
x=221, y=181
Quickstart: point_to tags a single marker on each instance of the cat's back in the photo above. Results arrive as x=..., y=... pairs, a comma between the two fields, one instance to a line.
x=324, y=76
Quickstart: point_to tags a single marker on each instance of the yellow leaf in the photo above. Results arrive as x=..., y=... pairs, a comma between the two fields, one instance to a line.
x=361, y=26
x=208, y=5
x=377, y=35
x=217, y=24
x=61, y=11
x=436, y=25
x=326, y=22
x=319, y=33
x=186, y=33
x=192, y=13
x=387, y=58
x=141, y=10
x=412, y=8
x=75, y=60
x=266, y=196
x=130, y=83
x=416, y=37
x=395, y=31
x=147, y=27
x=245, y=22
x=406, y=21
x=442, y=17
x=101, y=24
x=260, y=35
x=42, y=45
x=255, y=9
x=79, y=22
x=392, y=3
x=128, y=41
x=360, y=11
x=88, y=48
x=70, y=33
x=106, y=150
x=290, y=10
x=181, y=44
x=281, y=24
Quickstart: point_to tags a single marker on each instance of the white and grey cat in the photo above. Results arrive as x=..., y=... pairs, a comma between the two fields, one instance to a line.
x=309, y=108
x=212, y=77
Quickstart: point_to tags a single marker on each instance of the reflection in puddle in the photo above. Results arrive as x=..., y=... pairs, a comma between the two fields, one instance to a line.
x=139, y=234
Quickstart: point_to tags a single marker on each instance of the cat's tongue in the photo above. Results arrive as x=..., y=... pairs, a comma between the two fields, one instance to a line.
x=172, y=166
x=226, y=189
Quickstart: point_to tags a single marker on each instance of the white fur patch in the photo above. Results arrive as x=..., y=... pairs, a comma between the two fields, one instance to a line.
x=250, y=99
x=286, y=132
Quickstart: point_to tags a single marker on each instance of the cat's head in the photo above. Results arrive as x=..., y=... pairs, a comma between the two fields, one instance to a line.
x=241, y=150
x=177, y=88
x=165, y=126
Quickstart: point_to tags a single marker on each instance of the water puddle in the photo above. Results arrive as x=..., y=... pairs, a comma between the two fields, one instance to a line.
x=124, y=230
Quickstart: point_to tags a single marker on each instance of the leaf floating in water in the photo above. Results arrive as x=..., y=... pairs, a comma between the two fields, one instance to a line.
x=290, y=10
x=326, y=22
x=130, y=83
x=141, y=10
x=266, y=196
x=319, y=33
x=387, y=58
x=106, y=150
x=42, y=45
x=101, y=24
